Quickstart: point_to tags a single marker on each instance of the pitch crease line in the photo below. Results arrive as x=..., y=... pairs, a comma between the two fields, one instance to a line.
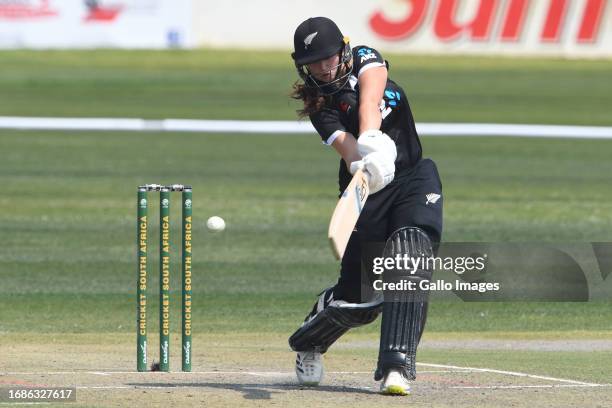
x=452, y=368
x=512, y=373
x=493, y=387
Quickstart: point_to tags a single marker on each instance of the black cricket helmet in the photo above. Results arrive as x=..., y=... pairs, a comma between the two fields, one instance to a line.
x=318, y=38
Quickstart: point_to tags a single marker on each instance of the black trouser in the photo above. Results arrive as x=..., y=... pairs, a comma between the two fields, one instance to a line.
x=410, y=200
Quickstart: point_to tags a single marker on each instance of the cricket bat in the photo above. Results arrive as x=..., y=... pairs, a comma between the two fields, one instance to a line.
x=347, y=212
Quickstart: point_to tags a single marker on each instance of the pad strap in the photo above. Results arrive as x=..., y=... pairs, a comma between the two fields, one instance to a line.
x=323, y=326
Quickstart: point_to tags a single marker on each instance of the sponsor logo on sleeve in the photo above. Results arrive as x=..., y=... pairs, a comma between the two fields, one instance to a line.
x=366, y=54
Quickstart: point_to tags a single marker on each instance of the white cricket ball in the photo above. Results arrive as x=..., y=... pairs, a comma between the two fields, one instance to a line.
x=215, y=224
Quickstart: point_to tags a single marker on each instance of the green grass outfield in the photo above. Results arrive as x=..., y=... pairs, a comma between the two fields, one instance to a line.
x=69, y=224
x=215, y=84
x=67, y=208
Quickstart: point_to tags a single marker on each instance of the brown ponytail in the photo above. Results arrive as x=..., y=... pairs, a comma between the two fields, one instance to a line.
x=313, y=101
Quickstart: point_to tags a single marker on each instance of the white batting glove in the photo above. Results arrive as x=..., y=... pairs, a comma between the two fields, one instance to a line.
x=356, y=165
x=373, y=140
x=380, y=168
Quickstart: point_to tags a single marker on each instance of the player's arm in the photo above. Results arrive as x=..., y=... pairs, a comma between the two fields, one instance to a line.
x=346, y=146
x=377, y=150
x=371, y=88
x=372, y=84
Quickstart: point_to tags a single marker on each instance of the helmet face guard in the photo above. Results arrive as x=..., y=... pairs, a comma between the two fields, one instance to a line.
x=342, y=74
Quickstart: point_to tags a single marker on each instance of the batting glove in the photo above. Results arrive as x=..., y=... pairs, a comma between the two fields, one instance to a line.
x=374, y=140
x=379, y=169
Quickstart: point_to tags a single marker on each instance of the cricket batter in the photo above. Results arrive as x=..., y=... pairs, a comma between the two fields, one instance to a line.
x=366, y=118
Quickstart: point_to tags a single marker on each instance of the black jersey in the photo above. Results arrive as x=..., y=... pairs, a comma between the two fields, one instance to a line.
x=342, y=115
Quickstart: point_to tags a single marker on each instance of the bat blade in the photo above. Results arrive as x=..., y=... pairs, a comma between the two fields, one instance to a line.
x=347, y=213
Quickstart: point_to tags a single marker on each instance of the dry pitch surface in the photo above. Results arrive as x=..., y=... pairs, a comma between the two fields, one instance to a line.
x=244, y=370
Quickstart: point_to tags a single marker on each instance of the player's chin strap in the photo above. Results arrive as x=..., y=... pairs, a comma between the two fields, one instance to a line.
x=329, y=320
x=404, y=311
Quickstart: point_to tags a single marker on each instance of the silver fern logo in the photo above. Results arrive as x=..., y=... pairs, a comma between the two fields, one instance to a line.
x=309, y=38
x=432, y=198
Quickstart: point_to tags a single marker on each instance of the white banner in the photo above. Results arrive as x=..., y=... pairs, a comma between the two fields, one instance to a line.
x=293, y=127
x=93, y=23
x=571, y=28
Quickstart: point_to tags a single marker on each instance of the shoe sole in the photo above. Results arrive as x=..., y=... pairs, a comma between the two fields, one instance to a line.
x=395, y=390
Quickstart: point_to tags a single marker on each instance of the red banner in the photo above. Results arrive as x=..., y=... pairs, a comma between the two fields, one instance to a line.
x=446, y=27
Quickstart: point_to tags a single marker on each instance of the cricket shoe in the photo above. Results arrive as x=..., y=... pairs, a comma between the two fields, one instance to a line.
x=309, y=367
x=395, y=383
